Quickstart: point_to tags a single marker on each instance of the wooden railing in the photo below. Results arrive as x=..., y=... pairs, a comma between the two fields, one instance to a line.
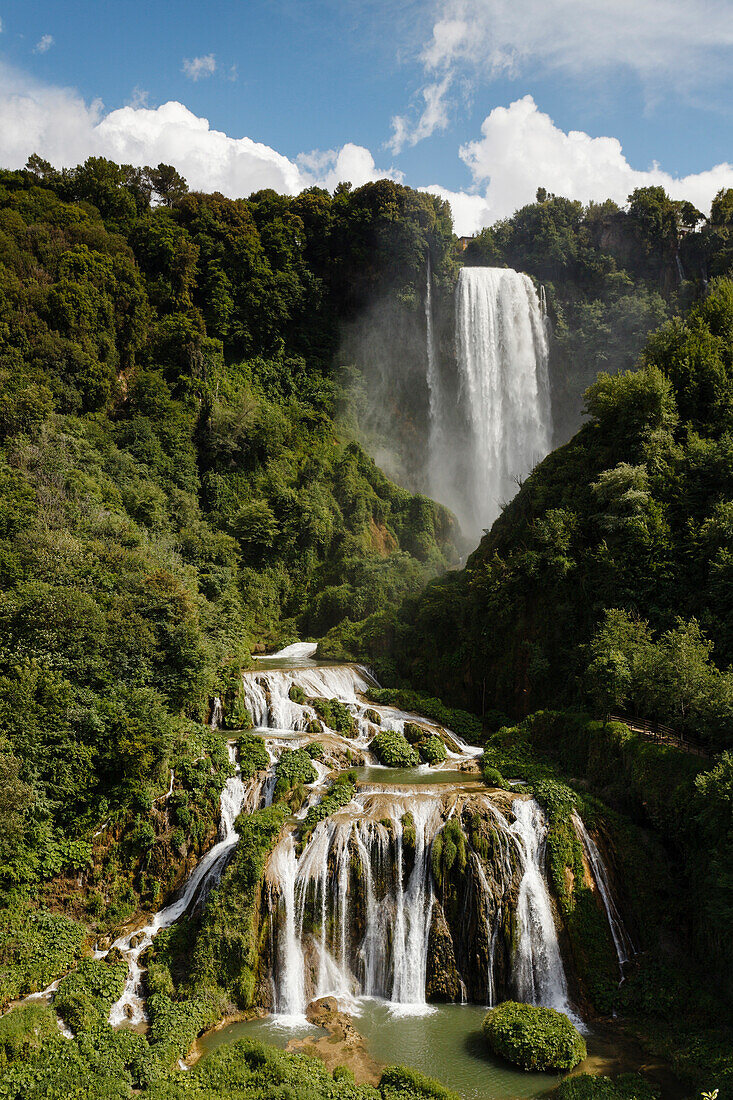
x=657, y=731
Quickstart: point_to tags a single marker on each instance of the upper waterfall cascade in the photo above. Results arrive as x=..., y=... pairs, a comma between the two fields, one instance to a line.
x=500, y=424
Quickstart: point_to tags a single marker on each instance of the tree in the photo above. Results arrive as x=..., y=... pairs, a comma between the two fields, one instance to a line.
x=167, y=183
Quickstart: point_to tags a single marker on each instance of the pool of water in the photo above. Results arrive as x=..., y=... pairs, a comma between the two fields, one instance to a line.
x=446, y=1044
x=413, y=777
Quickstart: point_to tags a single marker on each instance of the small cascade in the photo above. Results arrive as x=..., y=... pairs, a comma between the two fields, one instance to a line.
x=267, y=697
x=539, y=974
x=621, y=939
x=298, y=651
x=217, y=713
x=130, y=1007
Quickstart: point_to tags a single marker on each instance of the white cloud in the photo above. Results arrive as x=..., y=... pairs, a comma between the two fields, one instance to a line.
x=60, y=126
x=470, y=212
x=351, y=163
x=198, y=68
x=678, y=47
x=44, y=44
x=434, y=116
x=521, y=149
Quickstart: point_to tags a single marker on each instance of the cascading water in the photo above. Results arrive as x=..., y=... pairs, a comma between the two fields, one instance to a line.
x=318, y=952
x=130, y=1006
x=267, y=693
x=503, y=424
x=621, y=939
x=539, y=975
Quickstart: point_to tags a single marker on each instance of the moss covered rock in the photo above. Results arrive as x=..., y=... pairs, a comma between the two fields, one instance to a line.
x=533, y=1038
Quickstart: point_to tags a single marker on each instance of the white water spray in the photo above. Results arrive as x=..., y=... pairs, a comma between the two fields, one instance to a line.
x=504, y=424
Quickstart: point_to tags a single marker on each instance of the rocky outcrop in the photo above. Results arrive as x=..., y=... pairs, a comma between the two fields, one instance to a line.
x=442, y=981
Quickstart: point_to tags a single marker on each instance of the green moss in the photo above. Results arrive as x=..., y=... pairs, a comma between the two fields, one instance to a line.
x=533, y=1038
x=225, y=951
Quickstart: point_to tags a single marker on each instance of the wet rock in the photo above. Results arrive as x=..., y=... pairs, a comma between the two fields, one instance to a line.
x=137, y=939
x=129, y=1011
x=341, y=1046
x=442, y=980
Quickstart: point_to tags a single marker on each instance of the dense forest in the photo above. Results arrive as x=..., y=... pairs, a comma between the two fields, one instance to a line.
x=185, y=480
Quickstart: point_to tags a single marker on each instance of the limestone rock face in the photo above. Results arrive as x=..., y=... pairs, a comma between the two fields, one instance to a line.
x=442, y=982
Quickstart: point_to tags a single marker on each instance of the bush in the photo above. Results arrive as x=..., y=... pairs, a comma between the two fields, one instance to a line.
x=391, y=748
x=432, y=750
x=336, y=715
x=493, y=777
x=629, y=1086
x=314, y=750
x=293, y=769
x=533, y=1038
x=252, y=755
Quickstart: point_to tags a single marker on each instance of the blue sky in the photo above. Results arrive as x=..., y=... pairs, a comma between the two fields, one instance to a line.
x=332, y=76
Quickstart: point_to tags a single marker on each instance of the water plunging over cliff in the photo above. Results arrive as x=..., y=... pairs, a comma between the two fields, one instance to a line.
x=502, y=425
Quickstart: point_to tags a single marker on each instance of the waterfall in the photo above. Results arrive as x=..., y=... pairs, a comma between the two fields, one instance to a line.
x=207, y=872
x=315, y=913
x=503, y=423
x=267, y=693
x=621, y=939
x=435, y=397
x=539, y=975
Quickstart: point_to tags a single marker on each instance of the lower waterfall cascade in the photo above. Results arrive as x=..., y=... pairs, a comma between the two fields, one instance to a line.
x=407, y=894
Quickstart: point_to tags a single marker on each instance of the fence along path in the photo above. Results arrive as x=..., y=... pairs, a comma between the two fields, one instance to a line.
x=657, y=731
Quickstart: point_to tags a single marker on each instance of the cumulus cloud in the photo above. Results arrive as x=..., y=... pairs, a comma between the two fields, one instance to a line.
x=352, y=163
x=59, y=125
x=521, y=149
x=43, y=44
x=198, y=68
x=683, y=46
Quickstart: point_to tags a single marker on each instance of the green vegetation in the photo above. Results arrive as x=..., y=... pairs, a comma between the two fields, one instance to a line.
x=293, y=769
x=394, y=750
x=253, y=755
x=336, y=715
x=533, y=1038
x=627, y=1086
x=339, y=794
x=463, y=723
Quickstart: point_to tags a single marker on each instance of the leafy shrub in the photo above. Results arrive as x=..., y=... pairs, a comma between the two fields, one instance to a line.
x=293, y=769
x=533, y=1038
x=339, y=794
x=336, y=715
x=493, y=777
x=253, y=755
x=391, y=748
x=296, y=694
x=432, y=750
x=628, y=1086
x=315, y=750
